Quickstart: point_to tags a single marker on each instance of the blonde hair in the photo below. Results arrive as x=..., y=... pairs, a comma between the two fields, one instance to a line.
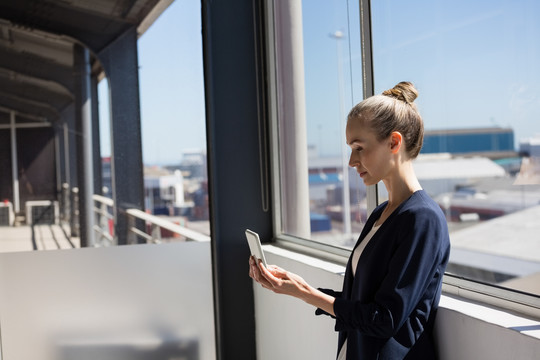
x=393, y=110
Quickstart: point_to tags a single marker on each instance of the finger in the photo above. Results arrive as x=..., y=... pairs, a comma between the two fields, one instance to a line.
x=259, y=277
x=277, y=272
x=251, y=271
x=256, y=273
x=252, y=266
x=273, y=281
x=263, y=281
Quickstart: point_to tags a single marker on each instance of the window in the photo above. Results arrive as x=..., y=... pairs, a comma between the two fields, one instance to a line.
x=172, y=117
x=474, y=65
x=322, y=198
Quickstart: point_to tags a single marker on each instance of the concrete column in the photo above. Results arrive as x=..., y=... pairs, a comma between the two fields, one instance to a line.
x=121, y=67
x=85, y=169
x=292, y=118
x=236, y=118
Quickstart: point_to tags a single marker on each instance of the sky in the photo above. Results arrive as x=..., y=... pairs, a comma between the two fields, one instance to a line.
x=474, y=63
x=171, y=86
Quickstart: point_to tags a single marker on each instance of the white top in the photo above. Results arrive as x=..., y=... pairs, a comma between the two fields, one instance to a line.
x=354, y=262
x=360, y=248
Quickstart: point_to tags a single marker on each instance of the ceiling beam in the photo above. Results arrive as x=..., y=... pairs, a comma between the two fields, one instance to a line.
x=34, y=65
x=27, y=106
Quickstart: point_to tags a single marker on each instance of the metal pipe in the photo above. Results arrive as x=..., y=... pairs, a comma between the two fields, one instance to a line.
x=87, y=148
x=367, y=79
x=14, y=165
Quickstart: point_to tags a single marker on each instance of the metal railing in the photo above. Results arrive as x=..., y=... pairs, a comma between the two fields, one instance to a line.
x=104, y=226
x=155, y=225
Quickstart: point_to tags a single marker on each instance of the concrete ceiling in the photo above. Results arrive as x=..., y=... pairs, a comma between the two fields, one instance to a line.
x=36, y=46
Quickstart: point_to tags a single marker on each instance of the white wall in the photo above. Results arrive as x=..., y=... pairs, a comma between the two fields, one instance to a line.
x=127, y=302
x=288, y=329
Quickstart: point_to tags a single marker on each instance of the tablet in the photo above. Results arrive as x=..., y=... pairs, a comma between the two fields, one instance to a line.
x=255, y=245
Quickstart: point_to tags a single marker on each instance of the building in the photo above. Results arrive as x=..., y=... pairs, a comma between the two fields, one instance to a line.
x=493, y=142
x=164, y=191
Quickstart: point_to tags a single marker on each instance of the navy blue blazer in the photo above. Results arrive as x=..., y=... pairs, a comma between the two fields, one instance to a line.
x=387, y=310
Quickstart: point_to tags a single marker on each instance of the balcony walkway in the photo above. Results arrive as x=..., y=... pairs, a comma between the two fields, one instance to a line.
x=37, y=237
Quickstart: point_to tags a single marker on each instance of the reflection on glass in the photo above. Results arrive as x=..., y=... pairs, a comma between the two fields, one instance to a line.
x=475, y=68
x=331, y=53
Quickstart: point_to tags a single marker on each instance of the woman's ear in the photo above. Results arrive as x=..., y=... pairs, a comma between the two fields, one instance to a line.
x=396, y=140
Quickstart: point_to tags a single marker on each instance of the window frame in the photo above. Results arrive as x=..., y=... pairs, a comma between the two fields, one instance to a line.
x=487, y=294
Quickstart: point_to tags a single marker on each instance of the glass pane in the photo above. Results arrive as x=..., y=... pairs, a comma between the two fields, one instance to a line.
x=100, y=304
x=172, y=120
x=475, y=66
x=332, y=85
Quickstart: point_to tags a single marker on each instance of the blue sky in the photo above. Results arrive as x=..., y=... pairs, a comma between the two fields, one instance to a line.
x=475, y=64
x=171, y=86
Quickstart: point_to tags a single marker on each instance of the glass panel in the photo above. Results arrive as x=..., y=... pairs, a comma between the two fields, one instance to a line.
x=173, y=117
x=475, y=66
x=172, y=120
x=84, y=305
x=332, y=72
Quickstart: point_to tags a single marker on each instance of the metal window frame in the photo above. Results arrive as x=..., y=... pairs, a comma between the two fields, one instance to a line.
x=328, y=252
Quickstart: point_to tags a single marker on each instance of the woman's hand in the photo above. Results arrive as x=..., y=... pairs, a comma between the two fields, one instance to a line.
x=281, y=281
x=278, y=280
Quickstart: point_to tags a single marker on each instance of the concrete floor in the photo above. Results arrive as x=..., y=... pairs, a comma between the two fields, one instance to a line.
x=38, y=237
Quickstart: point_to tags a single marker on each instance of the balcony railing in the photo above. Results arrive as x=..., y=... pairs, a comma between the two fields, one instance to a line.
x=153, y=225
x=104, y=223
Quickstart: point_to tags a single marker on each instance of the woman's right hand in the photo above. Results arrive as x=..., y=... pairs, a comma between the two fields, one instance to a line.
x=255, y=272
x=281, y=281
x=277, y=279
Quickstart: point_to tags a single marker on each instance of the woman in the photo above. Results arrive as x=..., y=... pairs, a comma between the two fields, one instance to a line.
x=392, y=282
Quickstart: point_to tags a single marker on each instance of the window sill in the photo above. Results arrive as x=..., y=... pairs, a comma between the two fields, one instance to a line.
x=502, y=312
x=493, y=316
x=307, y=259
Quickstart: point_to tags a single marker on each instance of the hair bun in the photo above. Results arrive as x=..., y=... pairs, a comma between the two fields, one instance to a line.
x=404, y=91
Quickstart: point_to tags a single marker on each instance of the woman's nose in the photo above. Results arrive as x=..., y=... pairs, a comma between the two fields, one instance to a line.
x=353, y=162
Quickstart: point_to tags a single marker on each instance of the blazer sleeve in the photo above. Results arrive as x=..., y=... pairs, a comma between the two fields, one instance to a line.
x=330, y=292
x=412, y=267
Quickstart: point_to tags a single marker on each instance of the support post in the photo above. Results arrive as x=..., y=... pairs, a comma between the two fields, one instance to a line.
x=121, y=67
x=85, y=169
x=234, y=63
x=14, y=164
x=96, y=143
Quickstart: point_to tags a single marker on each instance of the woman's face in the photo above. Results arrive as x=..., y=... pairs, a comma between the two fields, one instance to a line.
x=371, y=157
